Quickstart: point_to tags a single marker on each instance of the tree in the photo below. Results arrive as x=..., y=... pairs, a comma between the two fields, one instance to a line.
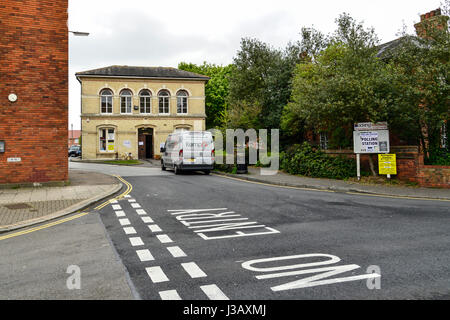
x=216, y=90
x=335, y=87
x=260, y=83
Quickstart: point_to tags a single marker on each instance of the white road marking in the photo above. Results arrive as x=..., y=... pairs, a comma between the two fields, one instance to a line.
x=127, y=196
x=193, y=270
x=129, y=230
x=131, y=200
x=154, y=228
x=176, y=252
x=147, y=219
x=141, y=212
x=124, y=222
x=113, y=201
x=145, y=255
x=213, y=292
x=120, y=213
x=169, y=295
x=156, y=274
x=135, y=205
x=116, y=207
x=164, y=238
x=136, y=241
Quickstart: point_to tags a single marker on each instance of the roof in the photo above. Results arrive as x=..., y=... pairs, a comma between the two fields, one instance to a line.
x=386, y=50
x=142, y=72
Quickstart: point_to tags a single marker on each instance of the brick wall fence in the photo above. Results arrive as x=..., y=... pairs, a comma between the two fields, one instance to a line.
x=34, y=66
x=410, y=166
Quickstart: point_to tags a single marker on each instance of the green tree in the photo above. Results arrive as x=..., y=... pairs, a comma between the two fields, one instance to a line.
x=260, y=83
x=216, y=90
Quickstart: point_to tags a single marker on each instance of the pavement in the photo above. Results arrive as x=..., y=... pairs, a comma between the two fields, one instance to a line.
x=283, y=179
x=22, y=207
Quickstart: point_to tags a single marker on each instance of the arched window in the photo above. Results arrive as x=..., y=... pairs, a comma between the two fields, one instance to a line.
x=182, y=101
x=125, y=101
x=144, y=101
x=106, y=101
x=164, y=101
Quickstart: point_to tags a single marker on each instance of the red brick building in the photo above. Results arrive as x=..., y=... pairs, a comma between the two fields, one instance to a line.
x=33, y=91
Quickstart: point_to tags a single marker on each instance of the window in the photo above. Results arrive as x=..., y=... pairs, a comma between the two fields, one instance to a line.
x=324, y=140
x=182, y=99
x=164, y=98
x=144, y=101
x=181, y=129
x=106, y=101
x=125, y=101
x=107, y=138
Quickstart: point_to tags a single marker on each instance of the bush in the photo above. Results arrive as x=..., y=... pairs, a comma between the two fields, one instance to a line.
x=439, y=157
x=307, y=161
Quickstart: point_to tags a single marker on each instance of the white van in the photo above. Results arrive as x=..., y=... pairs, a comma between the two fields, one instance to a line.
x=188, y=150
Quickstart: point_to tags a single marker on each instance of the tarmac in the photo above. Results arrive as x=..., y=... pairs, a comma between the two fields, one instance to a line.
x=23, y=207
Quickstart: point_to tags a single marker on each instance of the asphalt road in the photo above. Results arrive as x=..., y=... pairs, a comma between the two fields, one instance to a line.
x=198, y=237
x=280, y=237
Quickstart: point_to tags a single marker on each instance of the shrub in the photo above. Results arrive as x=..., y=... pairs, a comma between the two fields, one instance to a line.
x=307, y=161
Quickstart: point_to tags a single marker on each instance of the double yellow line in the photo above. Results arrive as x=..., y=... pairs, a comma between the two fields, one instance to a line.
x=82, y=214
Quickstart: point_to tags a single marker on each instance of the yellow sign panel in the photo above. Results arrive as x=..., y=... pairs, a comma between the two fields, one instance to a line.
x=387, y=164
x=110, y=147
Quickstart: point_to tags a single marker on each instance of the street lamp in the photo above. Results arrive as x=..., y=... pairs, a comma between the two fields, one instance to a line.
x=79, y=33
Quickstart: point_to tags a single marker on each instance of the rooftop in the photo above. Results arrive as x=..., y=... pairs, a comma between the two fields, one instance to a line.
x=142, y=72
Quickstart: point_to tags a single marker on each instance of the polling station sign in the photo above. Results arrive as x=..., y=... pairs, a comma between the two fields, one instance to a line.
x=387, y=164
x=374, y=141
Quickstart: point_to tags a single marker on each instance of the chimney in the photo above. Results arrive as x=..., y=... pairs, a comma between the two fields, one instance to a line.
x=431, y=22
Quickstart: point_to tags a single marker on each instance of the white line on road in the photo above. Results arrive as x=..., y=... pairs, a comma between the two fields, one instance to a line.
x=176, y=252
x=164, y=238
x=120, y=213
x=124, y=222
x=154, y=228
x=169, y=295
x=136, y=241
x=147, y=220
x=131, y=200
x=135, y=205
x=141, y=212
x=127, y=196
x=213, y=292
x=145, y=255
x=156, y=274
x=113, y=201
x=193, y=270
x=116, y=207
x=129, y=230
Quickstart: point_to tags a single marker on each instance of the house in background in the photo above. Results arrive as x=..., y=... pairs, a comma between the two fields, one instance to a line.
x=127, y=109
x=74, y=138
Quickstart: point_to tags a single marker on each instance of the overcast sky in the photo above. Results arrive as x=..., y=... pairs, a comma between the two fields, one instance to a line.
x=164, y=33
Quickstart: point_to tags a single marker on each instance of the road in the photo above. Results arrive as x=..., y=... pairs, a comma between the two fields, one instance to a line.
x=199, y=237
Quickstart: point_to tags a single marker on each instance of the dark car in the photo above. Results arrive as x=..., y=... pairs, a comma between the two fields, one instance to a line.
x=75, y=151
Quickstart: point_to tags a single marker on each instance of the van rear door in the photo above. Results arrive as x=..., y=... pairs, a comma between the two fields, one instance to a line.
x=198, y=148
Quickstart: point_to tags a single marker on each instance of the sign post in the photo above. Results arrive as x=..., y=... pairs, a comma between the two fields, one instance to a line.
x=369, y=138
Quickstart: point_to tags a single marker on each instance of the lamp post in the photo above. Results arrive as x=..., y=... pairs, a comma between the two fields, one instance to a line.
x=79, y=33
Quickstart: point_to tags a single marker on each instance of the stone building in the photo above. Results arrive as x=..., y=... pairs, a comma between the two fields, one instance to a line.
x=131, y=110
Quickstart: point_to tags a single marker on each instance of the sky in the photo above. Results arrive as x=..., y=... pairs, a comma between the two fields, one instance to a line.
x=165, y=33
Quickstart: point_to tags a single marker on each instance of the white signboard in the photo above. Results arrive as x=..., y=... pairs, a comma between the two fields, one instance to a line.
x=14, y=159
x=369, y=126
x=371, y=141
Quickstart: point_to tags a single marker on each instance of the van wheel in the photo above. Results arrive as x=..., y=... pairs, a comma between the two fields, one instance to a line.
x=176, y=170
x=207, y=172
x=163, y=168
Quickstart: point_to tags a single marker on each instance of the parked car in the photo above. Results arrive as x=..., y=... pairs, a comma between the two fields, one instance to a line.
x=188, y=150
x=75, y=151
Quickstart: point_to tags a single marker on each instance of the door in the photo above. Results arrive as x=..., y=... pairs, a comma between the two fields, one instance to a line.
x=148, y=146
x=141, y=146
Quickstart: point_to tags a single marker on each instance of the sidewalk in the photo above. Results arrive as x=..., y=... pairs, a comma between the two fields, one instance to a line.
x=27, y=206
x=284, y=179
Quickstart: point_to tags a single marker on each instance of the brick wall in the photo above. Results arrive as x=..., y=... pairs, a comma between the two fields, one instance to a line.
x=34, y=66
x=434, y=176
